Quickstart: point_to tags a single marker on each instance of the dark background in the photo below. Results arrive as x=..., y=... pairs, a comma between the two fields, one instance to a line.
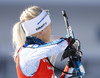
x=84, y=17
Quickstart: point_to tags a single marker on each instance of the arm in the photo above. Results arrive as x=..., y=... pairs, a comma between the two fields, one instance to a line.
x=45, y=50
x=30, y=57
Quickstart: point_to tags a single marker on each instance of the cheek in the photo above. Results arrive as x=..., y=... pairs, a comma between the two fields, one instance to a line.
x=50, y=29
x=49, y=32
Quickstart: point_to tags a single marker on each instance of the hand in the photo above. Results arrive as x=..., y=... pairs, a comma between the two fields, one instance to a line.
x=73, y=48
x=76, y=45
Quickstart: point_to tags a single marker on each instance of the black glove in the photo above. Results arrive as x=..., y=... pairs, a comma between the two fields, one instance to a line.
x=68, y=52
x=75, y=44
x=73, y=49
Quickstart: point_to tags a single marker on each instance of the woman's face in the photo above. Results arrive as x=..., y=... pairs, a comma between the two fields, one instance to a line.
x=46, y=33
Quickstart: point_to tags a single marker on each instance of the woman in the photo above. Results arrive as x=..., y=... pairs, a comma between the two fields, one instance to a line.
x=31, y=38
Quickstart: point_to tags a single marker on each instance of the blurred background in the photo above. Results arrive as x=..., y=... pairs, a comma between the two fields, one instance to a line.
x=84, y=17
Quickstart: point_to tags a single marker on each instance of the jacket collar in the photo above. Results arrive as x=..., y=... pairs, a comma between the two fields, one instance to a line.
x=34, y=40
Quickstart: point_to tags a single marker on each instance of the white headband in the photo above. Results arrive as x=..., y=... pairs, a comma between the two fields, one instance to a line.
x=36, y=24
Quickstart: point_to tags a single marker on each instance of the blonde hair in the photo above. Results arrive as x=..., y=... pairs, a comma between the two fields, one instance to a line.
x=18, y=33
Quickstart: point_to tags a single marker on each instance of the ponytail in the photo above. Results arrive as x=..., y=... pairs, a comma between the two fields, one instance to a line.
x=18, y=36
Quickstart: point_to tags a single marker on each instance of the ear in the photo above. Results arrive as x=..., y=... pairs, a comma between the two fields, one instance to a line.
x=41, y=32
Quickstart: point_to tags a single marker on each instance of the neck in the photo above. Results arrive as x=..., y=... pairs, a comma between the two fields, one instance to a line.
x=34, y=40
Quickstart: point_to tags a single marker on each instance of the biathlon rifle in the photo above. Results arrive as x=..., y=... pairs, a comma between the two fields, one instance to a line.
x=77, y=63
